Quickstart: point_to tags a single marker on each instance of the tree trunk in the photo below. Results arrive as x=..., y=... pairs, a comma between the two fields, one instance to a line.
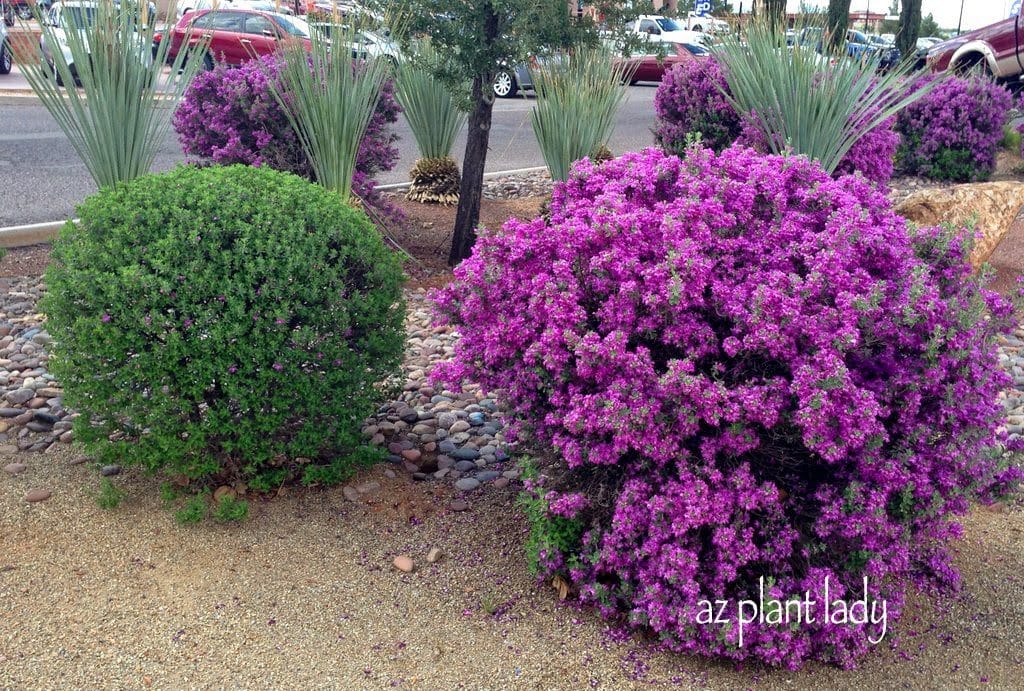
x=838, y=22
x=468, y=215
x=910, y=25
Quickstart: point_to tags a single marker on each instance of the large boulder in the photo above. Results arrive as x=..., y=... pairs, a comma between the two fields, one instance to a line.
x=990, y=207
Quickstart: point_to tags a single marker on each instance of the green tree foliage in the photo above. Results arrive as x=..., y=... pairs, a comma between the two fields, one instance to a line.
x=929, y=27
x=475, y=40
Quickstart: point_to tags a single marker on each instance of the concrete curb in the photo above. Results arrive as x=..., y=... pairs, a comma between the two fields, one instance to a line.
x=35, y=233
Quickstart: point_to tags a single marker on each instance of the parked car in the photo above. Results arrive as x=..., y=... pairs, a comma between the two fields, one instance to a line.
x=236, y=36
x=25, y=9
x=660, y=29
x=7, y=11
x=187, y=6
x=509, y=81
x=62, y=17
x=367, y=44
x=996, y=49
x=705, y=23
x=651, y=68
x=6, y=54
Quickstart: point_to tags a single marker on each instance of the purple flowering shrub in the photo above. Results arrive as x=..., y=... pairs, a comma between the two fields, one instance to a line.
x=690, y=99
x=229, y=115
x=872, y=155
x=954, y=132
x=752, y=374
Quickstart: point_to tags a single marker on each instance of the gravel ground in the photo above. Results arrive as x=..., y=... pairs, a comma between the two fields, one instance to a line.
x=305, y=592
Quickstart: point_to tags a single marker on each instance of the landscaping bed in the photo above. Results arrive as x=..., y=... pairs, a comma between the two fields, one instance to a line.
x=305, y=591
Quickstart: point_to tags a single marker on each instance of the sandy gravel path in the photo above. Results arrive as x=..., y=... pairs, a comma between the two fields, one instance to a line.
x=304, y=595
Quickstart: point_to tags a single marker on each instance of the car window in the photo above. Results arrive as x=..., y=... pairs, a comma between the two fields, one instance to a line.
x=220, y=21
x=257, y=24
x=292, y=25
x=695, y=49
x=647, y=25
x=667, y=24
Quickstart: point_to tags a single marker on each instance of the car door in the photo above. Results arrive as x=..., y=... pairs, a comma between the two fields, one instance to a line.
x=258, y=37
x=221, y=28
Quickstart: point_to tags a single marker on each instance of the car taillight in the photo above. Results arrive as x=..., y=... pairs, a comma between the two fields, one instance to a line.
x=157, y=37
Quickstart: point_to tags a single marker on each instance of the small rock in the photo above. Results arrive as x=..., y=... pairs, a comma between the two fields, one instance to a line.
x=15, y=468
x=37, y=495
x=433, y=555
x=79, y=460
x=466, y=454
x=367, y=487
x=219, y=493
x=465, y=466
x=501, y=483
x=487, y=475
x=350, y=492
x=411, y=455
x=459, y=505
x=388, y=472
x=111, y=470
x=404, y=564
x=459, y=426
x=467, y=484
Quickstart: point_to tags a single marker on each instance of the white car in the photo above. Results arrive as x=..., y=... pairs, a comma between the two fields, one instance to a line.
x=6, y=56
x=660, y=29
x=65, y=16
x=369, y=44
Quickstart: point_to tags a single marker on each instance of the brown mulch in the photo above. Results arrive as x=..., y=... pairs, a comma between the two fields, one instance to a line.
x=426, y=235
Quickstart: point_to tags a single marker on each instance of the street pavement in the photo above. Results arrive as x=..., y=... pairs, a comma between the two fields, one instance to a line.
x=42, y=178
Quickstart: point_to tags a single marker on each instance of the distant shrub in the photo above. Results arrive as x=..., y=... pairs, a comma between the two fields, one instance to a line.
x=954, y=132
x=750, y=374
x=224, y=323
x=690, y=99
x=229, y=115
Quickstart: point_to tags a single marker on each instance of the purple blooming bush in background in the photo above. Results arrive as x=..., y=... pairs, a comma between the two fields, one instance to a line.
x=752, y=375
x=954, y=132
x=229, y=115
x=691, y=98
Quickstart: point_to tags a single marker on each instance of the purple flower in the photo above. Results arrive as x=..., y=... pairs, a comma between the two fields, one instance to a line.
x=105, y=318
x=748, y=369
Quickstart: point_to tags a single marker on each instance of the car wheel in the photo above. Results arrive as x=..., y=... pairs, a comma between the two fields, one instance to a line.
x=6, y=58
x=24, y=12
x=207, y=62
x=505, y=85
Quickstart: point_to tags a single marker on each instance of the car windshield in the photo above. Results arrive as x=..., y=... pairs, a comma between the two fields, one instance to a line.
x=667, y=24
x=695, y=49
x=293, y=26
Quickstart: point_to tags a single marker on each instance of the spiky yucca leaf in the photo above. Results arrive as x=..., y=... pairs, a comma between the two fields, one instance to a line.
x=329, y=96
x=806, y=103
x=577, y=97
x=120, y=116
x=432, y=113
x=435, y=181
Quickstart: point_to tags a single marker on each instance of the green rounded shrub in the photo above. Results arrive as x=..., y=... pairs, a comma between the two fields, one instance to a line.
x=225, y=324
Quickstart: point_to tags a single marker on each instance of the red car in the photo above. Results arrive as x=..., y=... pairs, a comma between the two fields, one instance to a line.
x=650, y=69
x=236, y=36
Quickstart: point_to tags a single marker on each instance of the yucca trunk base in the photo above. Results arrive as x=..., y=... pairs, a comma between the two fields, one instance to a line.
x=435, y=181
x=602, y=154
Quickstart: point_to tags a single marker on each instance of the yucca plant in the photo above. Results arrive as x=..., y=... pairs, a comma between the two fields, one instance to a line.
x=808, y=103
x=435, y=119
x=120, y=115
x=328, y=96
x=577, y=97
